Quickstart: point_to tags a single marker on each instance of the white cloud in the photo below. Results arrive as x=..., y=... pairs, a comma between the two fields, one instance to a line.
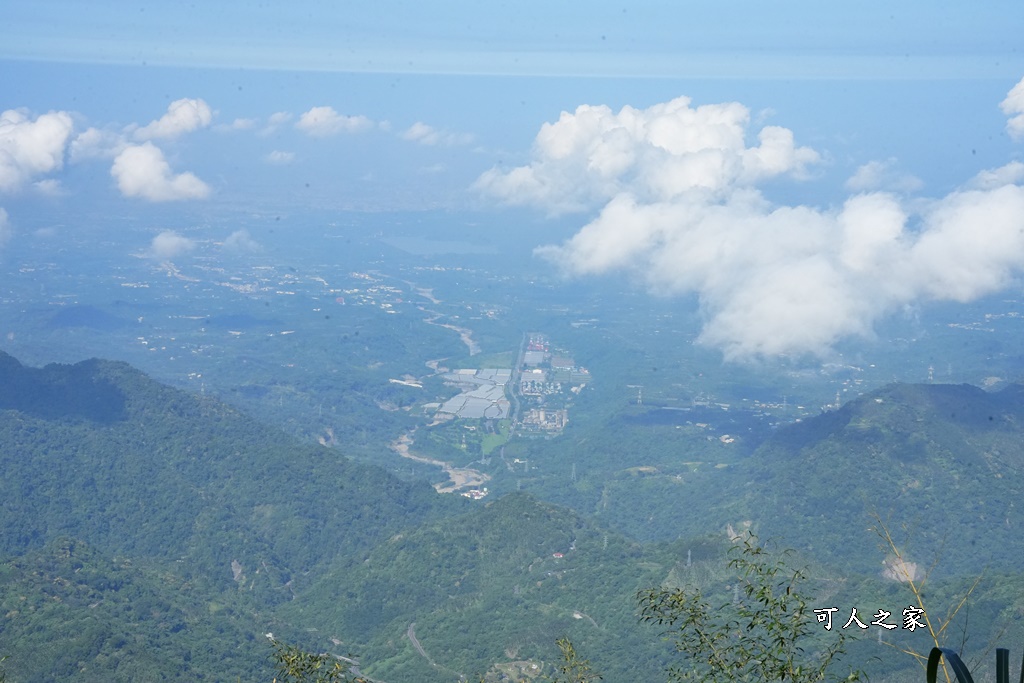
x=972, y=243
x=680, y=211
x=656, y=154
x=1013, y=106
x=795, y=280
x=183, y=116
x=95, y=143
x=31, y=148
x=169, y=244
x=49, y=187
x=427, y=135
x=324, y=122
x=142, y=171
x=241, y=240
x=882, y=175
x=989, y=179
x=280, y=158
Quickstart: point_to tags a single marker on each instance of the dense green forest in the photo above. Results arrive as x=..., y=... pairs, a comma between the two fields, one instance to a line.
x=154, y=534
x=945, y=461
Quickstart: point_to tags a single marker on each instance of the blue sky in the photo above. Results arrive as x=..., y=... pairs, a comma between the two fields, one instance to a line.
x=795, y=39
x=747, y=153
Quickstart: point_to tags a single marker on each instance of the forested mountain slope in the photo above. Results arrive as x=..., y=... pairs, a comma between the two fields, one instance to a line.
x=100, y=452
x=152, y=534
x=69, y=613
x=219, y=510
x=498, y=584
x=941, y=465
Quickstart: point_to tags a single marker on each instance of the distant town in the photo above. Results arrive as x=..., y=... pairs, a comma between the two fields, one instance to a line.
x=535, y=394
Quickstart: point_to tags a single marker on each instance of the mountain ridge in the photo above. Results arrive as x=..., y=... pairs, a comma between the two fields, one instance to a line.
x=219, y=516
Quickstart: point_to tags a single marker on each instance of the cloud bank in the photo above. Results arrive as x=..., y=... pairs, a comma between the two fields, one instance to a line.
x=878, y=175
x=661, y=153
x=183, y=116
x=96, y=143
x=325, y=121
x=31, y=148
x=169, y=244
x=676, y=189
x=1013, y=107
x=142, y=171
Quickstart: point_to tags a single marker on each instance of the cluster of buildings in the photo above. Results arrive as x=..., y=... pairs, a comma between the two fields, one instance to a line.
x=482, y=393
x=543, y=380
x=546, y=374
x=541, y=420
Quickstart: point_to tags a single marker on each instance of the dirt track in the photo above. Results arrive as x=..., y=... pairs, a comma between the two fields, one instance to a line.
x=459, y=477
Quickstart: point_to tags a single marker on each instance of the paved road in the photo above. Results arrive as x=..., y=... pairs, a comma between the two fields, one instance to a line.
x=411, y=632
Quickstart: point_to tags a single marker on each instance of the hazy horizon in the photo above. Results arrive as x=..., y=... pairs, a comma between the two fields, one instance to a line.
x=805, y=174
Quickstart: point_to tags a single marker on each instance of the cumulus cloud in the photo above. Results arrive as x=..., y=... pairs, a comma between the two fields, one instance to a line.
x=679, y=209
x=29, y=148
x=1013, y=106
x=280, y=158
x=142, y=171
x=656, y=154
x=795, y=280
x=241, y=240
x=96, y=143
x=423, y=134
x=990, y=179
x=183, y=116
x=324, y=122
x=882, y=175
x=169, y=244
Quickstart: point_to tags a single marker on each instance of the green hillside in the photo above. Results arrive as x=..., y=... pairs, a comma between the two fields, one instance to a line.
x=497, y=585
x=943, y=462
x=135, y=467
x=237, y=512
x=70, y=613
x=152, y=534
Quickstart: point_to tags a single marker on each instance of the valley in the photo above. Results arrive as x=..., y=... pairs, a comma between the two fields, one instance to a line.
x=494, y=343
x=584, y=448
